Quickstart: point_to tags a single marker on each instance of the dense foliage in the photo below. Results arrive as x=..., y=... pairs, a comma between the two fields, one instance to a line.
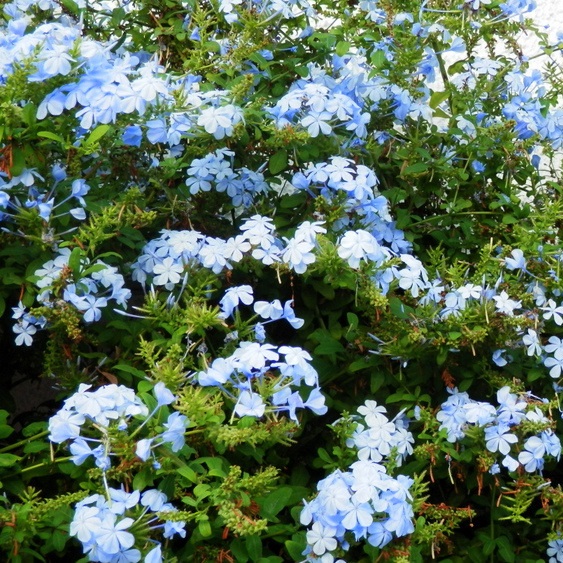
x=291, y=273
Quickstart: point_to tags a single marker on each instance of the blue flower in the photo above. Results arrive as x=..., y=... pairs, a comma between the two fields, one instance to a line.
x=321, y=538
x=532, y=455
x=250, y=404
x=498, y=438
x=174, y=528
x=233, y=296
x=555, y=550
x=175, y=429
x=132, y=136
x=112, y=536
x=163, y=395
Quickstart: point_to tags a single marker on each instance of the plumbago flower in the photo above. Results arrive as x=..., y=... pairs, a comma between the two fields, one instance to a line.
x=365, y=502
x=119, y=526
x=105, y=425
x=519, y=431
x=70, y=280
x=263, y=379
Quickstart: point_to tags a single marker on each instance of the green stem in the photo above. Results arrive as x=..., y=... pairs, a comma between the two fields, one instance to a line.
x=436, y=217
x=492, y=521
x=23, y=442
x=37, y=466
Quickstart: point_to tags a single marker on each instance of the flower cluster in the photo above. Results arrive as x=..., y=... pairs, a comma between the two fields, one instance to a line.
x=364, y=502
x=215, y=171
x=87, y=286
x=377, y=438
x=117, y=527
x=111, y=413
x=354, y=187
x=555, y=550
x=41, y=200
x=166, y=258
x=320, y=110
x=270, y=8
x=518, y=429
x=263, y=378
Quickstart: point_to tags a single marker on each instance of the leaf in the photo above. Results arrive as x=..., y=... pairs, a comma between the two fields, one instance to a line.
x=74, y=262
x=34, y=428
x=59, y=539
x=327, y=346
x=416, y=168
x=342, y=47
x=5, y=431
x=275, y=502
x=97, y=134
x=437, y=98
x=143, y=479
x=204, y=528
x=130, y=369
x=34, y=447
x=399, y=309
x=378, y=59
x=188, y=473
x=278, y=162
x=7, y=460
x=295, y=550
x=29, y=114
x=254, y=547
x=52, y=136
x=18, y=162
x=506, y=549
x=202, y=491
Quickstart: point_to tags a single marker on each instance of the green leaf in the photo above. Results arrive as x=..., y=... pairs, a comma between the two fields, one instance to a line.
x=188, y=473
x=399, y=309
x=442, y=356
x=505, y=549
x=34, y=428
x=5, y=431
x=34, y=447
x=327, y=346
x=130, y=369
x=202, y=491
x=74, y=262
x=254, y=547
x=437, y=98
x=342, y=47
x=52, y=136
x=278, y=162
x=29, y=114
x=378, y=59
x=204, y=528
x=353, y=320
x=295, y=549
x=18, y=162
x=97, y=134
x=59, y=539
x=276, y=501
x=7, y=460
x=416, y=168
x=144, y=478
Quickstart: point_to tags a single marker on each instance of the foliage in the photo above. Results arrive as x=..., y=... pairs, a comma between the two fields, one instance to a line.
x=293, y=270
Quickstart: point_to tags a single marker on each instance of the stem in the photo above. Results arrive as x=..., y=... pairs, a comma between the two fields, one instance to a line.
x=23, y=442
x=37, y=466
x=436, y=217
x=492, y=521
